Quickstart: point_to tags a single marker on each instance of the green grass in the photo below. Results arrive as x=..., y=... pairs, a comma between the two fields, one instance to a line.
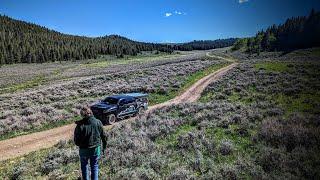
x=156, y=98
x=37, y=157
x=33, y=169
x=303, y=102
x=102, y=63
x=26, y=85
x=274, y=66
x=316, y=52
x=47, y=126
x=171, y=139
x=207, y=97
x=200, y=74
x=243, y=146
x=235, y=97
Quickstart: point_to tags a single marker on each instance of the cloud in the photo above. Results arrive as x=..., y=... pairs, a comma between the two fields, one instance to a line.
x=243, y=1
x=168, y=14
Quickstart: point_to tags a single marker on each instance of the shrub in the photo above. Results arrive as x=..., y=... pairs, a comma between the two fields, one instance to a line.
x=226, y=147
x=186, y=141
x=271, y=159
x=289, y=133
x=274, y=112
x=27, y=111
x=56, y=174
x=58, y=158
x=181, y=173
x=61, y=144
x=18, y=171
x=50, y=99
x=228, y=172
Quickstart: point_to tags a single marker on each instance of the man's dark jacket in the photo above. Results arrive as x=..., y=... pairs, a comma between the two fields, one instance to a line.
x=89, y=133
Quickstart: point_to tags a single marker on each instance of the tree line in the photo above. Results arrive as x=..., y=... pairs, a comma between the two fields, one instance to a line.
x=23, y=42
x=295, y=33
x=204, y=45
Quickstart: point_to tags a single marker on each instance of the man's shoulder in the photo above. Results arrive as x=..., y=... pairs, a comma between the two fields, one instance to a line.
x=81, y=122
x=95, y=120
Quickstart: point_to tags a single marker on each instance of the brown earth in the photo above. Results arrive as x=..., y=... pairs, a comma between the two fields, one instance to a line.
x=25, y=144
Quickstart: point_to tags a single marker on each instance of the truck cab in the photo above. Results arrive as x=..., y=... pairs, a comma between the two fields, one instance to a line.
x=117, y=107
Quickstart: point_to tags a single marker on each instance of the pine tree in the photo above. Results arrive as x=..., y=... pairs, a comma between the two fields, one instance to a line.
x=295, y=33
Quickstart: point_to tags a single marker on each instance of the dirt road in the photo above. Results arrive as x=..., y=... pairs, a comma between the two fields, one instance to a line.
x=25, y=144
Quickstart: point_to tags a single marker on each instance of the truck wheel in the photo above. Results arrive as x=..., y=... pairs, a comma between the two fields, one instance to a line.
x=141, y=110
x=112, y=119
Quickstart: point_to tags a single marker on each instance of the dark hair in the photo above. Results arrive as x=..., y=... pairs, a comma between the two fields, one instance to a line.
x=85, y=111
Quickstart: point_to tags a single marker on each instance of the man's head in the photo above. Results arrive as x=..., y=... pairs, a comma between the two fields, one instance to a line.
x=85, y=111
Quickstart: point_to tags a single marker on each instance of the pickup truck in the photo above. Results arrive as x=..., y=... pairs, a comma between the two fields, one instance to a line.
x=117, y=107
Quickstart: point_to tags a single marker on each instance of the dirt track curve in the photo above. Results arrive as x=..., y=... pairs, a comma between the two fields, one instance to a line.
x=25, y=144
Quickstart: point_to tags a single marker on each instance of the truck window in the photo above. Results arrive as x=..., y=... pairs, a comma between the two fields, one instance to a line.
x=122, y=102
x=130, y=100
x=111, y=100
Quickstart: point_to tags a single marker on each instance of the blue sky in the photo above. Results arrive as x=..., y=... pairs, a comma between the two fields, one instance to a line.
x=158, y=20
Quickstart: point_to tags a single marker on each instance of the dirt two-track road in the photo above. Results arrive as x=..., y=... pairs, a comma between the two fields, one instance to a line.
x=25, y=144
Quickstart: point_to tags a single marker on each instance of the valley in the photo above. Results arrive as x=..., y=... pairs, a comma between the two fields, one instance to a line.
x=234, y=130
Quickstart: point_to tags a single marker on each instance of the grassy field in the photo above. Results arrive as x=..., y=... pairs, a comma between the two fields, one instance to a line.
x=159, y=95
x=25, y=85
x=305, y=101
x=274, y=66
x=19, y=77
x=260, y=121
x=285, y=94
x=142, y=58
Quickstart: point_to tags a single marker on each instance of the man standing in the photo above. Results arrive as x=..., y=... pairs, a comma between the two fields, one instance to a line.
x=88, y=135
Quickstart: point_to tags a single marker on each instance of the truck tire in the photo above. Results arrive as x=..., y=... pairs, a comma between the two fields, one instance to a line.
x=111, y=119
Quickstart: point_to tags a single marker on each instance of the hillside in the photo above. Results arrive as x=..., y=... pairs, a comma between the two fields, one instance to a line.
x=23, y=42
x=205, y=44
x=295, y=33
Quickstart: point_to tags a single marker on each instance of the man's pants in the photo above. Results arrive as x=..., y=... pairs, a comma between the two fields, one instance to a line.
x=93, y=165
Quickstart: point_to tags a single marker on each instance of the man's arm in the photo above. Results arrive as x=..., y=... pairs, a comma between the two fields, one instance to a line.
x=103, y=137
x=76, y=135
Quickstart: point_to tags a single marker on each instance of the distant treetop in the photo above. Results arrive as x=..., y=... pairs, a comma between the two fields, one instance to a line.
x=295, y=33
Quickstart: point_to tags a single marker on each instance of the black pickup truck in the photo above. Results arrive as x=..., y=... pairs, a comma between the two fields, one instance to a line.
x=117, y=107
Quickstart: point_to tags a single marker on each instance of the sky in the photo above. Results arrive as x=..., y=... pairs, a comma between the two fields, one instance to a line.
x=160, y=21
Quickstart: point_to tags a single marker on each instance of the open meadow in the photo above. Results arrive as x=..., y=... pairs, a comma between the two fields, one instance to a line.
x=160, y=90
x=55, y=103
x=259, y=121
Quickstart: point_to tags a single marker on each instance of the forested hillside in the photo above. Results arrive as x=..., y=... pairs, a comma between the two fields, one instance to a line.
x=22, y=42
x=295, y=33
x=204, y=45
